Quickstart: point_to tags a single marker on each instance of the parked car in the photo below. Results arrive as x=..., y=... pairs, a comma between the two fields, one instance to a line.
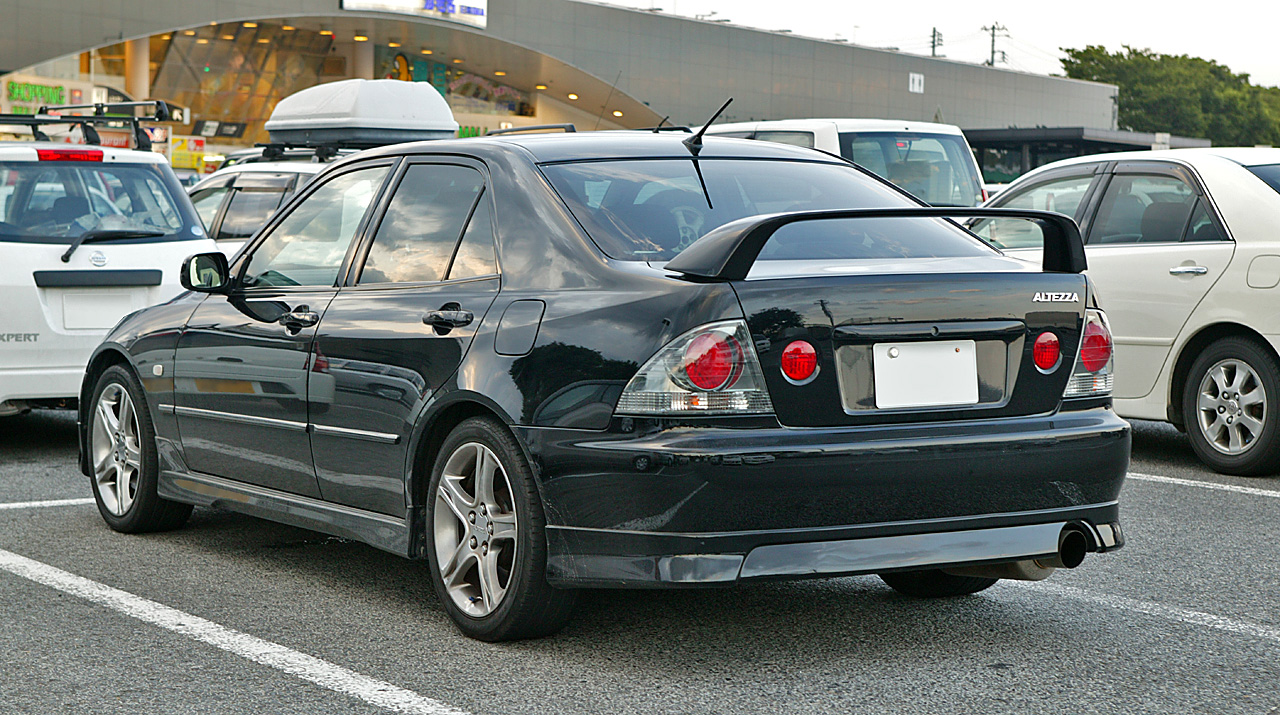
x=235, y=202
x=623, y=360
x=1184, y=246
x=88, y=234
x=931, y=161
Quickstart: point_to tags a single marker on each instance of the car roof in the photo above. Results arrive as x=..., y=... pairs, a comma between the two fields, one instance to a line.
x=587, y=146
x=1245, y=156
x=27, y=151
x=844, y=125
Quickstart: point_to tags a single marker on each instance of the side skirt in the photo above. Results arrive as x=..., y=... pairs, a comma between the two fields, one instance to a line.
x=379, y=530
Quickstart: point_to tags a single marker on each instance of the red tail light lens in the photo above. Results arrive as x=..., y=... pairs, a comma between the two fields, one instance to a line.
x=713, y=361
x=69, y=154
x=1095, y=349
x=799, y=361
x=1046, y=351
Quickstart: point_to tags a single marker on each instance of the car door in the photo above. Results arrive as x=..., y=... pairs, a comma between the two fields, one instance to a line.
x=240, y=382
x=399, y=329
x=1155, y=246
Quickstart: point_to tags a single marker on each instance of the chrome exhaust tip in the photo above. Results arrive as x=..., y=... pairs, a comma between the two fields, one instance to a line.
x=1073, y=544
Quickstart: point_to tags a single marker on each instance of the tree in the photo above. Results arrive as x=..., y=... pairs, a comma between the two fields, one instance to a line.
x=1184, y=95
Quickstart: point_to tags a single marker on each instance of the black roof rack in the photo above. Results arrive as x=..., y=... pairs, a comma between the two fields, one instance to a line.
x=323, y=151
x=42, y=117
x=566, y=128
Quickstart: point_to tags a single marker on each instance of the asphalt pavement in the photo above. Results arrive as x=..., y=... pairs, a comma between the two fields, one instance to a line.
x=236, y=615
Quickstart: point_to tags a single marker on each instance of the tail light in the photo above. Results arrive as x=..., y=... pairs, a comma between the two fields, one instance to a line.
x=1046, y=352
x=1094, y=370
x=69, y=154
x=799, y=361
x=711, y=370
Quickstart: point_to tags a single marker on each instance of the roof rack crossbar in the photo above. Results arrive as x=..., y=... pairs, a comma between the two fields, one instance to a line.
x=566, y=128
x=86, y=122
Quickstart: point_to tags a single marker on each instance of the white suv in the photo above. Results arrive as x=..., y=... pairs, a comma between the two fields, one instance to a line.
x=88, y=234
x=931, y=161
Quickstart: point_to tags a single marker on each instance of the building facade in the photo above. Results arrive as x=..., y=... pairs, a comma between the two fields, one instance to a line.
x=500, y=63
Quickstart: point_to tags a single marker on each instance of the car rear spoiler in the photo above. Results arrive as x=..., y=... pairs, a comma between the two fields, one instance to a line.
x=728, y=252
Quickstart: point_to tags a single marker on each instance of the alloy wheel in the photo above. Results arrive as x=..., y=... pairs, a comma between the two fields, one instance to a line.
x=1231, y=406
x=475, y=529
x=116, y=452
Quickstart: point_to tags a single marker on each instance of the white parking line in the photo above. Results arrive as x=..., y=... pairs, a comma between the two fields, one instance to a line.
x=1169, y=613
x=1204, y=485
x=42, y=504
x=306, y=667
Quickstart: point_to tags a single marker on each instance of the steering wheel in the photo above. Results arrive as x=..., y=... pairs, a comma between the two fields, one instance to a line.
x=686, y=213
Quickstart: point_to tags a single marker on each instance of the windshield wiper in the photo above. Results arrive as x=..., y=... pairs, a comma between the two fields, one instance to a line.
x=107, y=234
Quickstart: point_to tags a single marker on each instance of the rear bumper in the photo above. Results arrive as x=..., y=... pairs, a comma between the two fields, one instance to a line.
x=582, y=558
x=709, y=505
x=35, y=383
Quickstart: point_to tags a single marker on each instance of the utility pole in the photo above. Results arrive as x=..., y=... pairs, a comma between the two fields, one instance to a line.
x=935, y=41
x=995, y=27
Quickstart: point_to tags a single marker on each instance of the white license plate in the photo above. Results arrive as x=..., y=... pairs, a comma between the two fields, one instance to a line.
x=928, y=374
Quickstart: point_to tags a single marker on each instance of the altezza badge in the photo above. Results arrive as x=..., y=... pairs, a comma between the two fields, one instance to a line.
x=1056, y=298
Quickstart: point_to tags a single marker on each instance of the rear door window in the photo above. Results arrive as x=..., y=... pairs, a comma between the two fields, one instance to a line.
x=422, y=224
x=207, y=202
x=1138, y=208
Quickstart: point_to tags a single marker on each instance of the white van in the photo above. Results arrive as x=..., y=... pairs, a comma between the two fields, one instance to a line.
x=88, y=234
x=932, y=161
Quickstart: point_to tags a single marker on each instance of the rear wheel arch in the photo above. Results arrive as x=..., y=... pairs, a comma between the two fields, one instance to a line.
x=1207, y=336
x=434, y=430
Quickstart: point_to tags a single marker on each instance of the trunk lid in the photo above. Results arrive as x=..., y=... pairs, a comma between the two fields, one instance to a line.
x=915, y=340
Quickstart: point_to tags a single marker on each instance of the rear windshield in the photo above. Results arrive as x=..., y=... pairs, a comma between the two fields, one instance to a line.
x=57, y=201
x=938, y=168
x=651, y=210
x=1269, y=173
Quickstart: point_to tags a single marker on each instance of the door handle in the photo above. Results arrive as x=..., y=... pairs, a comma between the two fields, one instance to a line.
x=1188, y=271
x=299, y=318
x=448, y=318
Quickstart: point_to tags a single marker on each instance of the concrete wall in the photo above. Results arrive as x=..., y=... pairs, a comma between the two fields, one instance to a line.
x=679, y=66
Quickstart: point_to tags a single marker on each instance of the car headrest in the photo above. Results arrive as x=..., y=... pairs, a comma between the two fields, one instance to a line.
x=1163, y=221
x=69, y=208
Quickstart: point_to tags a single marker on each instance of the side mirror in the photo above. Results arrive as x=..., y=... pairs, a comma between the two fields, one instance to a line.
x=206, y=273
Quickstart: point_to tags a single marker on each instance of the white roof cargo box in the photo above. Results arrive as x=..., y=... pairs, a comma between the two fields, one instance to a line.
x=362, y=112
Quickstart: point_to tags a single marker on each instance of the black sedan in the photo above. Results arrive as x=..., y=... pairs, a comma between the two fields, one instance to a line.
x=548, y=362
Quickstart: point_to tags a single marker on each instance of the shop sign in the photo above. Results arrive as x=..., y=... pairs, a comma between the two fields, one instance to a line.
x=467, y=12
x=186, y=152
x=25, y=94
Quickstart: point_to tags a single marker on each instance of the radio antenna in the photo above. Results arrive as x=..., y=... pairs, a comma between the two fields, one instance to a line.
x=695, y=142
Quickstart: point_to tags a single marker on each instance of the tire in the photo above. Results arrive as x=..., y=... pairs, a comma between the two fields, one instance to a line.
x=935, y=584
x=123, y=458
x=487, y=546
x=1234, y=379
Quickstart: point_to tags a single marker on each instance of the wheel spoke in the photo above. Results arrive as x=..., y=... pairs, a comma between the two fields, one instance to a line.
x=486, y=469
x=1235, y=442
x=133, y=458
x=458, y=501
x=455, y=569
x=1255, y=396
x=1241, y=374
x=126, y=415
x=1208, y=403
x=1253, y=424
x=504, y=527
x=1219, y=377
x=490, y=589
x=109, y=420
x=124, y=496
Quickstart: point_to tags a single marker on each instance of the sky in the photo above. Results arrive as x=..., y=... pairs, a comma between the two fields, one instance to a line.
x=1241, y=34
